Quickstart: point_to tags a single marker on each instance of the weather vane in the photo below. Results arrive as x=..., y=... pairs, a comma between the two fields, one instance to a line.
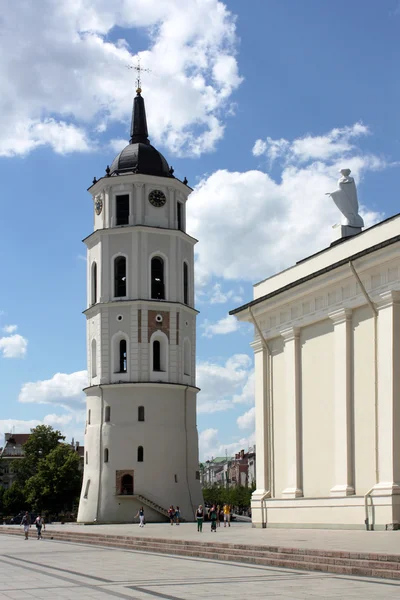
x=139, y=69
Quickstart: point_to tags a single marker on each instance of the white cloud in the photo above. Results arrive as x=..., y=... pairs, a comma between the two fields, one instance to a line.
x=251, y=226
x=334, y=144
x=10, y=328
x=218, y=296
x=13, y=346
x=63, y=389
x=223, y=385
x=210, y=445
x=64, y=80
x=247, y=420
x=16, y=426
x=225, y=325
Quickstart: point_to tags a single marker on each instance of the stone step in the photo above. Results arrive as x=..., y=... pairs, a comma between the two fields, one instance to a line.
x=348, y=563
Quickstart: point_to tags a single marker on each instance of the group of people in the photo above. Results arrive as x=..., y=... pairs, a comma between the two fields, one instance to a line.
x=216, y=515
x=39, y=523
x=174, y=515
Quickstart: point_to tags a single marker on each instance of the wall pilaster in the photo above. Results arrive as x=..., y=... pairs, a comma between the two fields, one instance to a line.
x=261, y=398
x=293, y=433
x=388, y=393
x=343, y=404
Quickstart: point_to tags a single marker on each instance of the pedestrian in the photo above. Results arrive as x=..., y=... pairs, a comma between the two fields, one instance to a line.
x=177, y=515
x=39, y=522
x=218, y=515
x=26, y=522
x=200, y=518
x=227, y=515
x=171, y=514
x=213, y=517
x=140, y=514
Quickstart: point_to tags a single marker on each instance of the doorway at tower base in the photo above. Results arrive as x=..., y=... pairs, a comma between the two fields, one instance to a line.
x=346, y=512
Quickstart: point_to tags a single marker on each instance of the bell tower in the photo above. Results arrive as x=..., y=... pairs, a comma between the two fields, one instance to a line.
x=141, y=441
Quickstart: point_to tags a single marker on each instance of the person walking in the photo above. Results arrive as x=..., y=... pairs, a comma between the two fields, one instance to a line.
x=227, y=515
x=200, y=518
x=140, y=514
x=26, y=522
x=171, y=514
x=39, y=522
x=213, y=517
x=218, y=516
x=177, y=515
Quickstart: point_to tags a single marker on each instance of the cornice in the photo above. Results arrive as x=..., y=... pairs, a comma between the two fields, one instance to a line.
x=91, y=311
x=146, y=384
x=386, y=299
x=98, y=233
x=290, y=333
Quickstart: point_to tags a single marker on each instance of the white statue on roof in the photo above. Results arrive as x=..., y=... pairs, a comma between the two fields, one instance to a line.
x=345, y=198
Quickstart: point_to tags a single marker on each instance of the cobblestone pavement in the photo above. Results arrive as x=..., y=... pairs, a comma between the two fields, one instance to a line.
x=61, y=570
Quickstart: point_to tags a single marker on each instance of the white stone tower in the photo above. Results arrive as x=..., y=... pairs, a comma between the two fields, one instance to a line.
x=141, y=442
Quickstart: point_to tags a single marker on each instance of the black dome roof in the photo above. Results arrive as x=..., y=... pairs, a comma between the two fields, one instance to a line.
x=139, y=156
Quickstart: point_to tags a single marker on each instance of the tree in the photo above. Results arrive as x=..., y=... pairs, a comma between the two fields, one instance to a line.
x=41, y=442
x=57, y=481
x=13, y=499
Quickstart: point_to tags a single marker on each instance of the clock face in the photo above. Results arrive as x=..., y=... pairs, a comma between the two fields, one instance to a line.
x=98, y=205
x=157, y=198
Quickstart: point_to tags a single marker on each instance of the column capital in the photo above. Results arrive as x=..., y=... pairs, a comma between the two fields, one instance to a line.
x=387, y=299
x=340, y=316
x=290, y=333
x=138, y=184
x=257, y=345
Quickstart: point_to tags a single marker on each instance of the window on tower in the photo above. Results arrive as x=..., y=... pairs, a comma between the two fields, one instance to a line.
x=156, y=355
x=122, y=209
x=123, y=363
x=94, y=283
x=157, y=278
x=179, y=215
x=140, y=454
x=120, y=277
x=185, y=283
x=107, y=414
x=105, y=455
x=141, y=413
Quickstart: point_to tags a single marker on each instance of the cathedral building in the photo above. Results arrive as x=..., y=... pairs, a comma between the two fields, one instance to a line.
x=327, y=368
x=141, y=441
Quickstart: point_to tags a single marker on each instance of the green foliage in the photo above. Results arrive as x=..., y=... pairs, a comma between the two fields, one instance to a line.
x=48, y=478
x=239, y=496
x=57, y=482
x=13, y=499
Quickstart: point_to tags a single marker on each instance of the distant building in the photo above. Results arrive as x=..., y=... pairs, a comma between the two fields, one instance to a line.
x=230, y=471
x=12, y=451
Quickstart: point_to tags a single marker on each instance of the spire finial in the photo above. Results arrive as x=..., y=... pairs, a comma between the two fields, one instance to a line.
x=139, y=69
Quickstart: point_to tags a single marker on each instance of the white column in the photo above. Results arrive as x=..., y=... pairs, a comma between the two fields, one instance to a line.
x=343, y=404
x=261, y=366
x=389, y=393
x=293, y=430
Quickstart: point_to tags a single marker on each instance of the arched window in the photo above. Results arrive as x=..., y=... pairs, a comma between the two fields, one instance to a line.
x=141, y=413
x=140, y=454
x=187, y=359
x=94, y=358
x=88, y=416
x=123, y=363
x=107, y=414
x=94, y=283
x=120, y=277
x=156, y=355
x=122, y=209
x=87, y=488
x=185, y=283
x=127, y=485
x=105, y=455
x=157, y=278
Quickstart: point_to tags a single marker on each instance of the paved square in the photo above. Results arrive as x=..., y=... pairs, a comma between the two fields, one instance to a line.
x=61, y=570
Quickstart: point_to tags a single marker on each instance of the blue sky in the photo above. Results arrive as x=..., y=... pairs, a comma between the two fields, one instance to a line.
x=257, y=103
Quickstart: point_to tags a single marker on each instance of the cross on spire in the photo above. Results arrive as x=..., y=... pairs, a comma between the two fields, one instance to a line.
x=139, y=70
